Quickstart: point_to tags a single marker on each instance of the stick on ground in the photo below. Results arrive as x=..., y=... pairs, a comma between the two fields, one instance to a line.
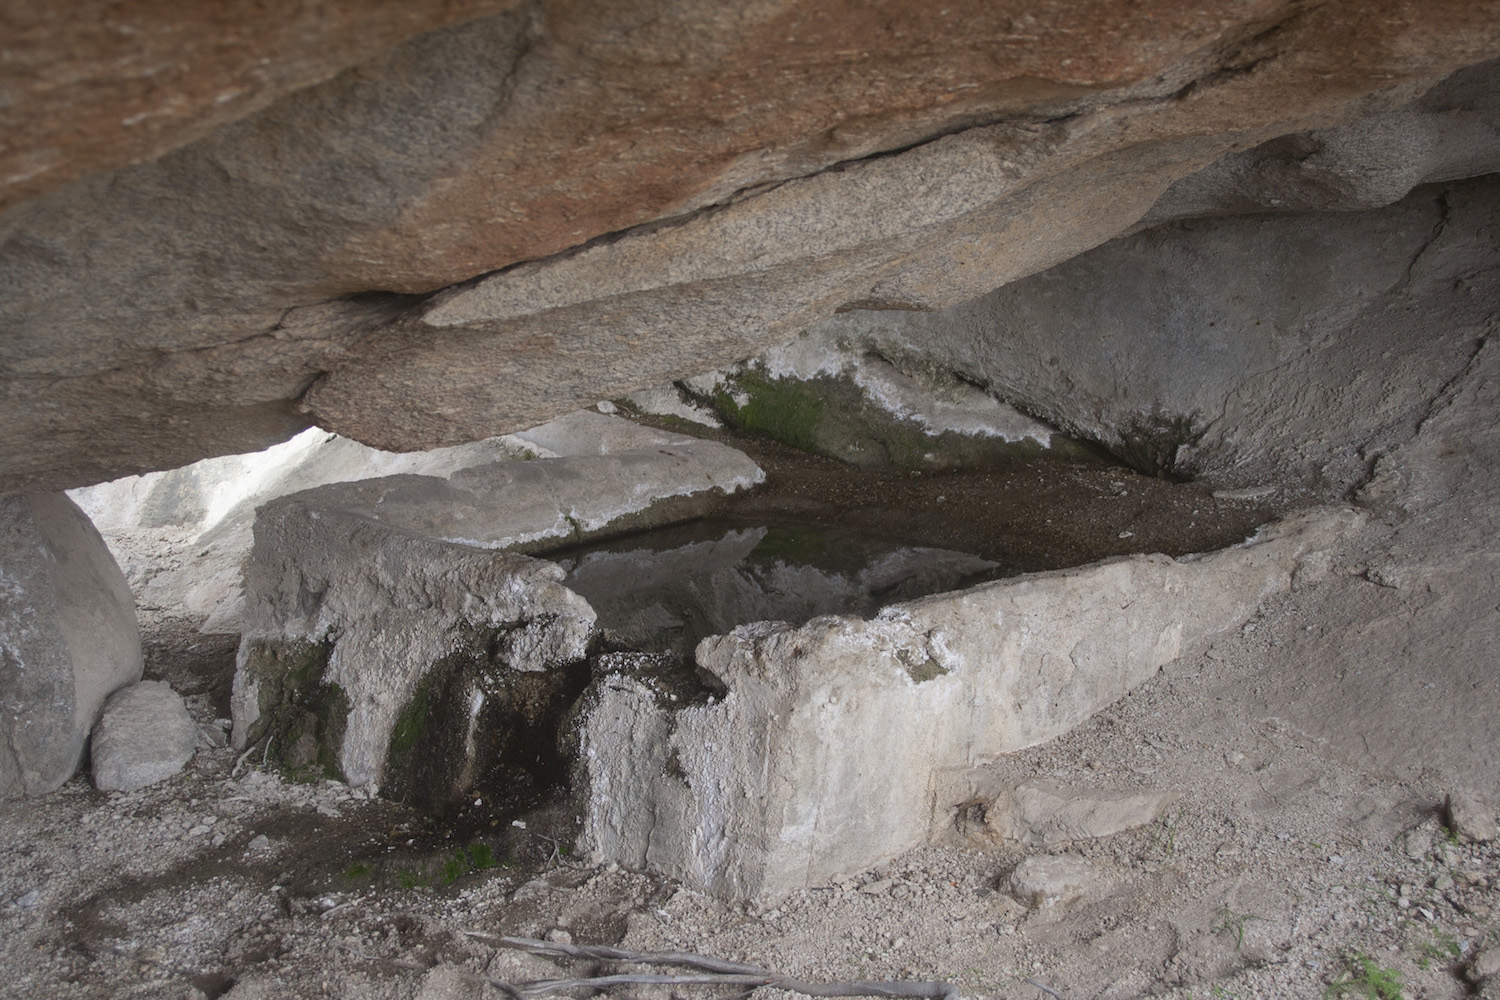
x=710, y=972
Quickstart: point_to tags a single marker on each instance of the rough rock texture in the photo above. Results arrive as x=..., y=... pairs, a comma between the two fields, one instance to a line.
x=635, y=477
x=349, y=617
x=1251, y=350
x=68, y=638
x=203, y=514
x=370, y=602
x=1045, y=814
x=828, y=395
x=816, y=758
x=1471, y=816
x=144, y=735
x=97, y=85
x=185, y=306
x=1047, y=880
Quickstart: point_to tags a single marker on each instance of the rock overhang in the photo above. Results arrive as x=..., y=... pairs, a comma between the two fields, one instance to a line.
x=939, y=179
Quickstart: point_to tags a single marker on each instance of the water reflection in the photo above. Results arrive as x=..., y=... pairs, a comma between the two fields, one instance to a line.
x=663, y=591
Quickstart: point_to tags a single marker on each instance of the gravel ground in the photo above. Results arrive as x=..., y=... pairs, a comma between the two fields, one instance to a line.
x=1282, y=866
x=1304, y=856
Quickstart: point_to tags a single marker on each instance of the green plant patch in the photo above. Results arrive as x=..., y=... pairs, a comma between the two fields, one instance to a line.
x=832, y=416
x=1365, y=978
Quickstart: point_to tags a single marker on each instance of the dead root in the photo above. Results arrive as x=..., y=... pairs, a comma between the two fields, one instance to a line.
x=708, y=972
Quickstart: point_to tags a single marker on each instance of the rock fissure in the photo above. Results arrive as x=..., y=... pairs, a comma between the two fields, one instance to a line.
x=1438, y=228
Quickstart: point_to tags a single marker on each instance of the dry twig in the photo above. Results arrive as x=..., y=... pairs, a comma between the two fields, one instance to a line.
x=710, y=972
x=1043, y=987
x=234, y=772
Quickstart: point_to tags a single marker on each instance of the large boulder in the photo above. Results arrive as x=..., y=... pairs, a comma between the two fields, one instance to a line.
x=356, y=631
x=182, y=536
x=394, y=632
x=68, y=638
x=1271, y=348
x=814, y=752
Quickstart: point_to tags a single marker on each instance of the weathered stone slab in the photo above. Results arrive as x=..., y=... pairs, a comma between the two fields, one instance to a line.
x=68, y=638
x=826, y=394
x=1045, y=814
x=182, y=536
x=385, y=623
x=143, y=736
x=816, y=759
x=349, y=617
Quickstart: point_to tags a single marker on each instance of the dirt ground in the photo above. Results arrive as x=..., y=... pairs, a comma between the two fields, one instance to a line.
x=1306, y=856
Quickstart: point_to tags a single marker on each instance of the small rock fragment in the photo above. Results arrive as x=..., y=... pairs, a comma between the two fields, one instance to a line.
x=449, y=982
x=1471, y=817
x=1419, y=841
x=1047, y=880
x=1042, y=814
x=879, y=887
x=145, y=735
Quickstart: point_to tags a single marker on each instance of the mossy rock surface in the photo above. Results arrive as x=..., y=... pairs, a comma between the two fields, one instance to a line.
x=476, y=724
x=832, y=416
x=302, y=717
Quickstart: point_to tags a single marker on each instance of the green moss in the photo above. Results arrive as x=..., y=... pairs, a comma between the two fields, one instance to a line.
x=282, y=669
x=431, y=761
x=332, y=707
x=785, y=410
x=411, y=724
x=832, y=416
x=302, y=719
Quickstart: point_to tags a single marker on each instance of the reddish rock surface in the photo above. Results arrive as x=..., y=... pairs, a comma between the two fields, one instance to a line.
x=754, y=169
x=100, y=84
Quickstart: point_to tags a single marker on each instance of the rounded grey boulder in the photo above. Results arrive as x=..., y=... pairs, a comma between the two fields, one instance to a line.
x=144, y=736
x=68, y=637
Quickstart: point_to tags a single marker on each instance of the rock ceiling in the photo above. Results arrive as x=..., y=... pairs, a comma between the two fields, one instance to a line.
x=419, y=224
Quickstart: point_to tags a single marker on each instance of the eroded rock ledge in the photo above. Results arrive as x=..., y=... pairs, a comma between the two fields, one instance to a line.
x=813, y=159
x=820, y=755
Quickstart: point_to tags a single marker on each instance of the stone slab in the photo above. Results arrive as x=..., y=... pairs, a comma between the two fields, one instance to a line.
x=816, y=758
